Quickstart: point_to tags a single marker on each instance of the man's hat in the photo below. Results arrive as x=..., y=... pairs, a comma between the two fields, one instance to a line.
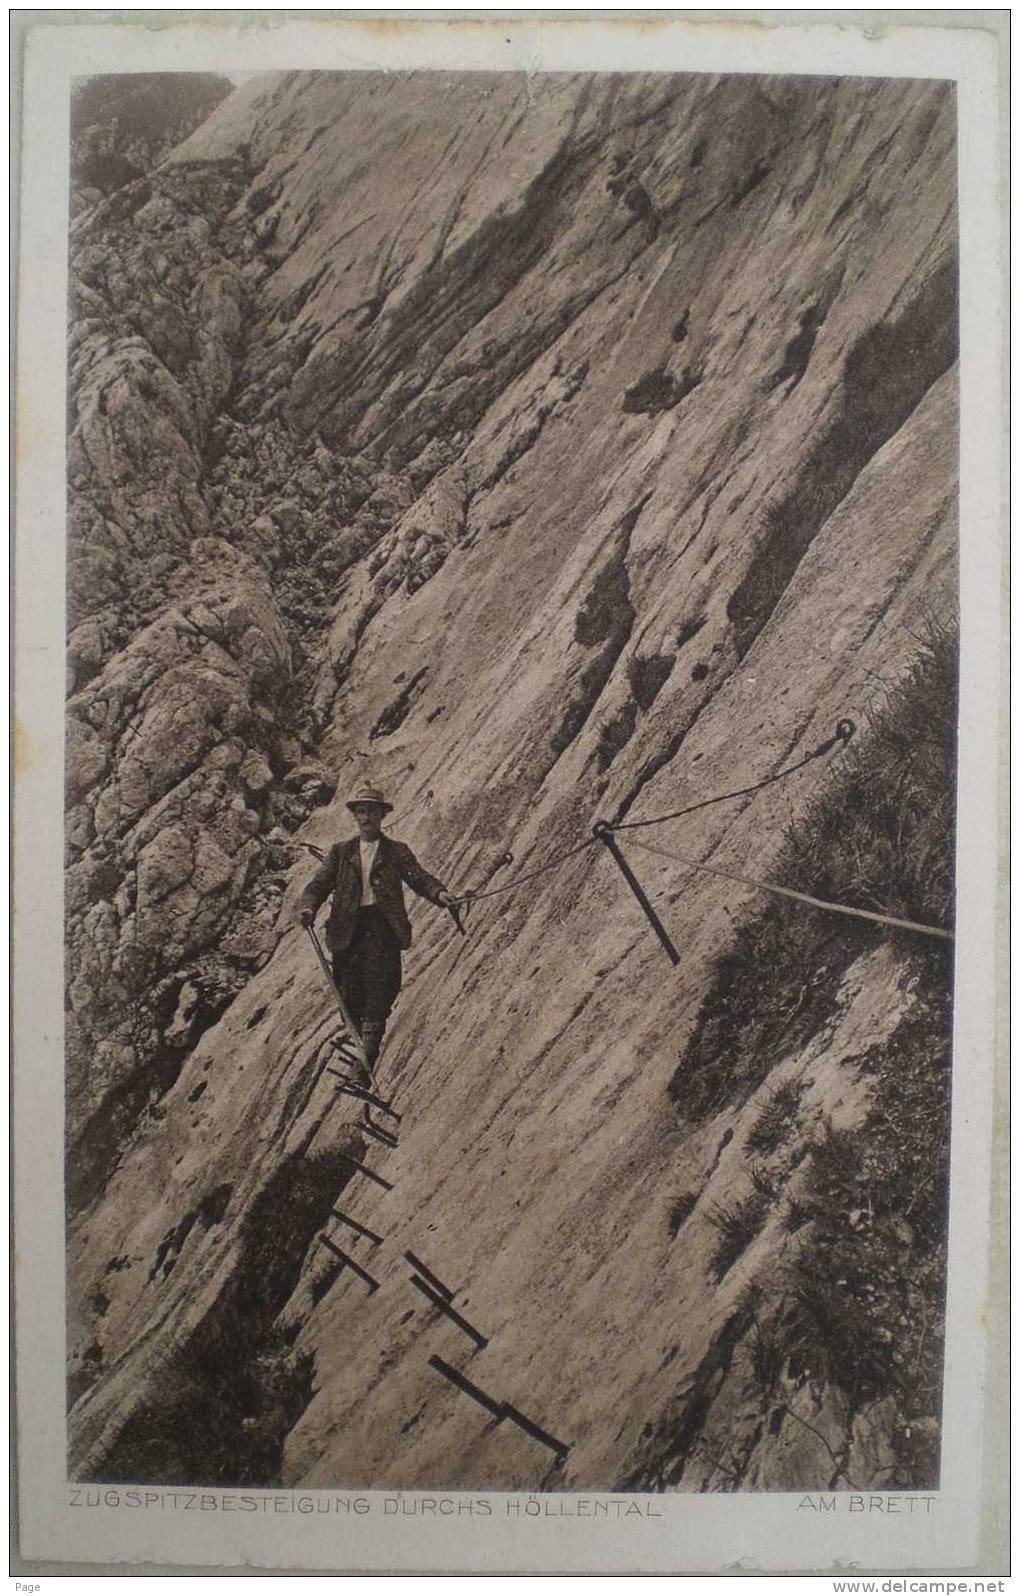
x=369, y=795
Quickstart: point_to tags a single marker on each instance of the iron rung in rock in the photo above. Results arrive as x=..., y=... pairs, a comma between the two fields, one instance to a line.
x=535, y=1430
x=347, y=1053
x=380, y=1135
x=451, y=1313
x=432, y=1278
x=385, y=1184
x=349, y=1263
x=355, y=1090
x=362, y=1230
x=469, y=1388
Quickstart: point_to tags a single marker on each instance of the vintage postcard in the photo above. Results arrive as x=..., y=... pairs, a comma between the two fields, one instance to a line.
x=508, y=567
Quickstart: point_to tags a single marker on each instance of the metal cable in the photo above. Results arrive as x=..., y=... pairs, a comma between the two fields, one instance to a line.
x=844, y=731
x=800, y=897
x=529, y=875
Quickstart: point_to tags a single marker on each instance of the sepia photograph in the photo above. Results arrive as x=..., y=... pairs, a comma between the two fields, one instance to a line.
x=509, y=788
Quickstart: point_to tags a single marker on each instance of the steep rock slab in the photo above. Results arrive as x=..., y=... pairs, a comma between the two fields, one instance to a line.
x=590, y=525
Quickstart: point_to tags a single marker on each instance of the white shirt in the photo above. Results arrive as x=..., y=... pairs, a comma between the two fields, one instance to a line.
x=368, y=853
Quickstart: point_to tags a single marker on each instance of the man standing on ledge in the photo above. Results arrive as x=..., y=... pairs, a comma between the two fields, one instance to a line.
x=368, y=925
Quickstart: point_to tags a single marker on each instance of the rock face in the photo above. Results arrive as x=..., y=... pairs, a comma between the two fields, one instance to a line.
x=542, y=450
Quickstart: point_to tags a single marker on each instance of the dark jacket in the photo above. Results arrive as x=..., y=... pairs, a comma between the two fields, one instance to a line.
x=340, y=874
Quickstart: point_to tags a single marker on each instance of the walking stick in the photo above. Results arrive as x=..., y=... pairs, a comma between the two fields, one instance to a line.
x=349, y=1025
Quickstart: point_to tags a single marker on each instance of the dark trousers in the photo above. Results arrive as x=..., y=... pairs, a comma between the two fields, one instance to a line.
x=368, y=972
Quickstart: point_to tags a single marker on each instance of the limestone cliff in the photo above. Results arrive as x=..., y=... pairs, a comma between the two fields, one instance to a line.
x=544, y=449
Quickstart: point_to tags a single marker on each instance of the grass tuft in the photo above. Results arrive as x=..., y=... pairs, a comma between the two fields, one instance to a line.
x=776, y=1120
x=681, y=1210
x=737, y=1226
x=798, y=1214
x=763, y=1181
x=768, y=1358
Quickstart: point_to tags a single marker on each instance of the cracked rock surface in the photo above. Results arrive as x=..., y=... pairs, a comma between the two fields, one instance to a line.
x=540, y=449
